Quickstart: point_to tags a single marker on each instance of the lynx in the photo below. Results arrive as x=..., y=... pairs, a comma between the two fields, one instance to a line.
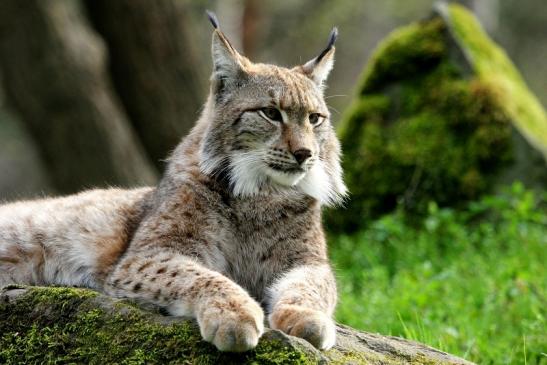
x=232, y=231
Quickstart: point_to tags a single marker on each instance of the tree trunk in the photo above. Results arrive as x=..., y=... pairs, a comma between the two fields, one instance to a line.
x=54, y=75
x=251, y=27
x=154, y=67
x=81, y=326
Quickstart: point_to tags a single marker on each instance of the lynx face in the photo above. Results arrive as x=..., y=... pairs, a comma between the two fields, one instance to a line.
x=270, y=128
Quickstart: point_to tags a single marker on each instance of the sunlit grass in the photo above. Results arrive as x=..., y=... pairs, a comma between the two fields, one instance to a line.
x=471, y=282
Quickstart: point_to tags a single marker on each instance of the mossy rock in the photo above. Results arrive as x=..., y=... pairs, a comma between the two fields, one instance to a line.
x=442, y=115
x=67, y=325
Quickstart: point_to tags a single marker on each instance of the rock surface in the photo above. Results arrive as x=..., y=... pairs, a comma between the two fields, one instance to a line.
x=67, y=325
x=441, y=114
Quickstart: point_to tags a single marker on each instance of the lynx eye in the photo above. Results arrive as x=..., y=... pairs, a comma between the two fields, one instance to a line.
x=271, y=114
x=315, y=119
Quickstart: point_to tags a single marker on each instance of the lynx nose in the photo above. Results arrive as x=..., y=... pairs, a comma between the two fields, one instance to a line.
x=302, y=155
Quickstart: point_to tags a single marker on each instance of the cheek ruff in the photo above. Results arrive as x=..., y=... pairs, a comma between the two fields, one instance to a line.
x=250, y=175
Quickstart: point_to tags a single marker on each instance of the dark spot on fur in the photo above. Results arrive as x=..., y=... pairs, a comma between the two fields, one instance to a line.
x=161, y=271
x=220, y=88
x=174, y=273
x=11, y=260
x=137, y=287
x=81, y=270
x=165, y=260
x=266, y=256
x=169, y=284
x=126, y=265
x=39, y=238
x=238, y=146
x=144, y=266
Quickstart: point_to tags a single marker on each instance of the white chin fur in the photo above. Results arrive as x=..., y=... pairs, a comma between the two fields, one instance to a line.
x=284, y=178
x=317, y=184
x=249, y=175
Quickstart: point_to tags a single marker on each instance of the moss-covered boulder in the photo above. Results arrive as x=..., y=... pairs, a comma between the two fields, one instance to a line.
x=66, y=325
x=441, y=114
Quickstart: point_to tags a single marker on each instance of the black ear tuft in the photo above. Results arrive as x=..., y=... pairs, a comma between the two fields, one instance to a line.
x=212, y=18
x=332, y=39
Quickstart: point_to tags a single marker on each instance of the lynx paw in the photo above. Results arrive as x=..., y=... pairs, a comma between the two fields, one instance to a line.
x=232, y=324
x=313, y=326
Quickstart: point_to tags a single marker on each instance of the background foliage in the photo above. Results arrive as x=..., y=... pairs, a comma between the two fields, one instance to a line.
x=471, y=281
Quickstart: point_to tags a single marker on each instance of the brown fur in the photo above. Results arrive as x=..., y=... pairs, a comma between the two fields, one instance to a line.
x=233, y=229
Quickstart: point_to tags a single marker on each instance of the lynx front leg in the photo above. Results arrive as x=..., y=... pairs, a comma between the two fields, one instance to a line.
x=301, y=304
x=227, y=316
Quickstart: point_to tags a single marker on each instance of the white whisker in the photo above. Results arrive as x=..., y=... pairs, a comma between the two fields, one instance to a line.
x=334, y=109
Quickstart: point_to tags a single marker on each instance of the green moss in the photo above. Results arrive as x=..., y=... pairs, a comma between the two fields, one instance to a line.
x=411, y=50
x=276, y=353
x=428, y=126
x=65, y=325
x=339, y=358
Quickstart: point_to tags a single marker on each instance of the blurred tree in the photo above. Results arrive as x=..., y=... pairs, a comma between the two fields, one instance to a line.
x=154, y=84
x=154, y=67
x=54, y=74
x=251, y=20
x=522, y=31
x=22, y=171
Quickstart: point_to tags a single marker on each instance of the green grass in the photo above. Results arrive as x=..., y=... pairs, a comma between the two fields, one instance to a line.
x=470, y=282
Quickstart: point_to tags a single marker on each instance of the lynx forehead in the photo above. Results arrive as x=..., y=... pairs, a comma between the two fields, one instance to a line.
x=232, y=231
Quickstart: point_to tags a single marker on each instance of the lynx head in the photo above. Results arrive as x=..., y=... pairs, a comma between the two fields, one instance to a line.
x=268, y=126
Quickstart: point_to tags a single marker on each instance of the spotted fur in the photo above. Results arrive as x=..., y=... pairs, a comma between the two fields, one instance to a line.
x=234, y=227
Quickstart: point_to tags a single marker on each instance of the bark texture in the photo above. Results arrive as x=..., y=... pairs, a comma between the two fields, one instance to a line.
x=46, y=325
x=54, y=74
x=154, y=67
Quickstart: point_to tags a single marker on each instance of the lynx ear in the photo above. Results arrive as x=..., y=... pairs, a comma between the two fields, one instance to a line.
x=318, y=69
x=228, y=64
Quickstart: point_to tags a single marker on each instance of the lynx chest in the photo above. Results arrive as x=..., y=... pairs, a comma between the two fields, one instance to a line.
x=257, y=241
